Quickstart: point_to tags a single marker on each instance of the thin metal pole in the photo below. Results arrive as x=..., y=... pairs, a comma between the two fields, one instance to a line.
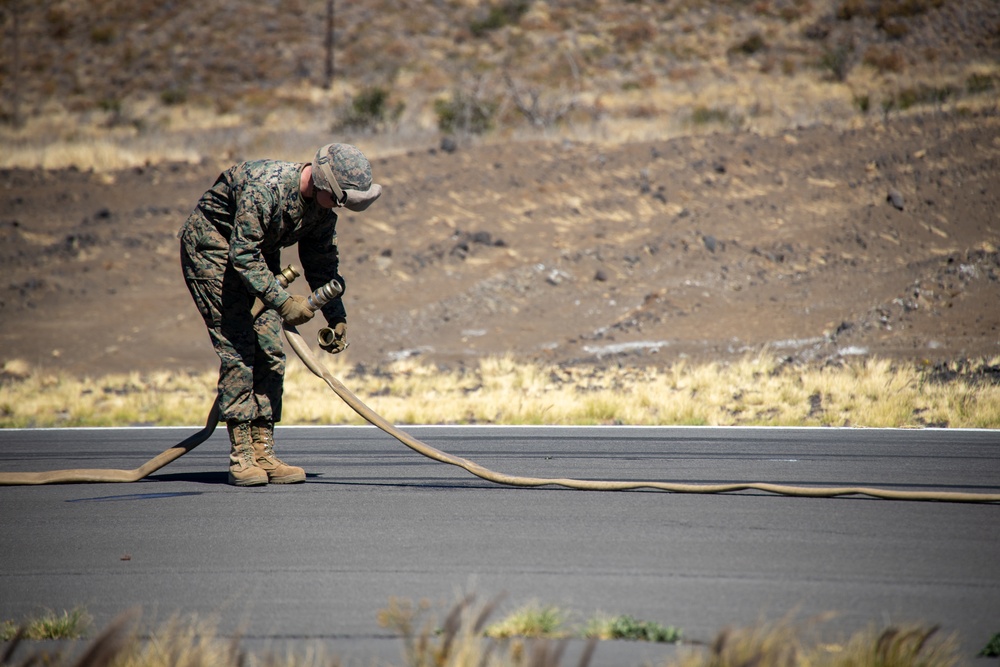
x=328, y=79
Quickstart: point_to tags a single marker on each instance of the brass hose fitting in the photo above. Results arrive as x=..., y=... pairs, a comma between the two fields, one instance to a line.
x=287, y=275
x=326, y=336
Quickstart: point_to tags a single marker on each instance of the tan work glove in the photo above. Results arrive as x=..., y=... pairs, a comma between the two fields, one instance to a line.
x=333, y=339
x=359, y=200
x=296, y=310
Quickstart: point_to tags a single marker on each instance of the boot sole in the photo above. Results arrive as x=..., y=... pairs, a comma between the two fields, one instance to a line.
x=257, y=481
x=288, y=479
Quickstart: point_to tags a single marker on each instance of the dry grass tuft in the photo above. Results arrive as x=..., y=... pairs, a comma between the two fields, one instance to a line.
x=533, y=620
x=782, y=644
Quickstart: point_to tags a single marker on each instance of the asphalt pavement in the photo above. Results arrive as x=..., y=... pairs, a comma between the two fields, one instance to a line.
x=285, y=565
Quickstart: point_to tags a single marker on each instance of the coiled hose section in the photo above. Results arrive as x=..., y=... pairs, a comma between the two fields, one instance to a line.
x=85, y=475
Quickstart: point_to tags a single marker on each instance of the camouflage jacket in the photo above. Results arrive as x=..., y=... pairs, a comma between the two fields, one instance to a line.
x=253, y=211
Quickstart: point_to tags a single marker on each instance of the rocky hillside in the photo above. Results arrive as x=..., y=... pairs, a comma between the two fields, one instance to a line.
x=472, y=65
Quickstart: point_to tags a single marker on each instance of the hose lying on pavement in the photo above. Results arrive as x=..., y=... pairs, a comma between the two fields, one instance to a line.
x=103, y=475
x=307, y=357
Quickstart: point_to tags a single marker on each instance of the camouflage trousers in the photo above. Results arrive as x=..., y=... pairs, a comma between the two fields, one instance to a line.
x=252, y=368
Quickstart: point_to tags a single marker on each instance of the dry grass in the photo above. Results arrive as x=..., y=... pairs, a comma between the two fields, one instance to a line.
x=783, y=644
x=757, y=390
x=460, y=639
x=42, y=399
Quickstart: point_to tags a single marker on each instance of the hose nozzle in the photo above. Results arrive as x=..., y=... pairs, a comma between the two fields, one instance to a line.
x=325, y=294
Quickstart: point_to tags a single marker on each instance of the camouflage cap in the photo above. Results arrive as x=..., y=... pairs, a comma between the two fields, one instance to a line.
x=341, y=166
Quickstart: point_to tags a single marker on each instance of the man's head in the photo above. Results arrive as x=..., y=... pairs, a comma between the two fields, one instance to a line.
x=339, y=167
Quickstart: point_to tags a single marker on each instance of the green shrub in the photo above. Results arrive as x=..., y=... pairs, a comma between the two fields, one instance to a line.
x=370, y=110
x=67, y=625
x=173, y=96
x=463, y=113
x=923, y=94
x=979, y=83
x=499, y=16
x=837, y=61
x=703, y=115
x=751, y=45
x=102, y=35
x=627, y=627
x=992, y=648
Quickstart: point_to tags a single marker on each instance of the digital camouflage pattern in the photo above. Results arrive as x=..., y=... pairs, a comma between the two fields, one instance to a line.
x=343, y=163
x=230, y=251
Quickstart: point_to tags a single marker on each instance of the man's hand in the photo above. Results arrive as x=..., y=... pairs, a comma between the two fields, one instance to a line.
x=296, y=310
x=333, y=339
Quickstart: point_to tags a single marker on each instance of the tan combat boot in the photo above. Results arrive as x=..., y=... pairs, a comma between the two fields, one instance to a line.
x=243, y=471
x=278, y=472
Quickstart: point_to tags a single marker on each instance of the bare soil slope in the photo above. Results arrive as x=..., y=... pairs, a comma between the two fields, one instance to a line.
x=818, y=244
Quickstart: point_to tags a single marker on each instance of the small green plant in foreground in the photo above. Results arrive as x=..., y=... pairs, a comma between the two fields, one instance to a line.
x=627, y=627
x=50, y=625
x=992, y=648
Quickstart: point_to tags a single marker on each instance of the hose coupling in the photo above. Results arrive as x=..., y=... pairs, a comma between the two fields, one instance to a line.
x=326, y=336
x=287, y=275
x=284, y=278
x=325, y=294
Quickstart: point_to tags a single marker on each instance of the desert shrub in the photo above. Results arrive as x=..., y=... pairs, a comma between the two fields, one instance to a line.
x=703, y=115
x=837, y=61
x=173, y=96
x=895, y=9
x=501, y=15
x=465, y=113
x=884, y=60
x=894, y=29
x=60, y=23
x=979, y=83
x=885, y=10
x=791, y=13
x=848, y=9
x=102, y=35
x=923, y=94
x=633, y=34
x=751, y=45
x=370, y=110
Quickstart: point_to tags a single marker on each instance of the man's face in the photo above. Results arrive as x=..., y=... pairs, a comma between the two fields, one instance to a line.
x=325, y=199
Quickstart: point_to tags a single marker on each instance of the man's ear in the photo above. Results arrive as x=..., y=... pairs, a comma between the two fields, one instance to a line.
x=359, y=200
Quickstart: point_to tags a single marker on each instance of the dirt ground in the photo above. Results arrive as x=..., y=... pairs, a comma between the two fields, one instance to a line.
x=819, y=245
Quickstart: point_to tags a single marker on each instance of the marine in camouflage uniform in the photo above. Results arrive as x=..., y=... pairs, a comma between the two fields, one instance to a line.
x=230, y=252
